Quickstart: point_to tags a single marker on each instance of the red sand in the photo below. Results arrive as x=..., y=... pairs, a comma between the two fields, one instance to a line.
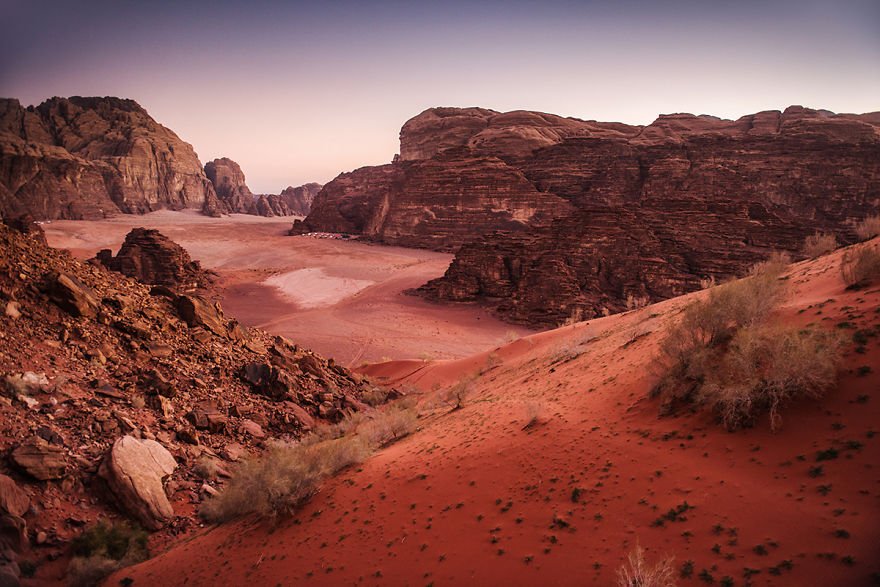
x=474, y=498
x=337, y=318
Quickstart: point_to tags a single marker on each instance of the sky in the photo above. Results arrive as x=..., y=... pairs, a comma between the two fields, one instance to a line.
x=301, y=91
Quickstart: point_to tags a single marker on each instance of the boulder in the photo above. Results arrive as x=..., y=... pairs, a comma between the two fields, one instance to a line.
x=72, y=295
x=197, y=311
x=268, y=380
x=13, y=499
x=39, y=459
x=135, y=471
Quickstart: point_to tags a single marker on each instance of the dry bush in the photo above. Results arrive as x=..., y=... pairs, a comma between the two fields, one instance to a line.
x=206, y=467
x=375, y=396
x=861, y=265
x=868, y=228
x=279, y=480
x=536, y=413
x=636, y=302
x=712, y=321
x=765, y=367
x=388, y=426
x=576, y=315
x=276, y=482
x=89, y=571
x=457, y=394
x=720, y=355
x=819, y=244
x=637, y=572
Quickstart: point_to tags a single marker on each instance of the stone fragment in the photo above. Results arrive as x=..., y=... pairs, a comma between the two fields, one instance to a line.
x=40, y=459
x=72, y=295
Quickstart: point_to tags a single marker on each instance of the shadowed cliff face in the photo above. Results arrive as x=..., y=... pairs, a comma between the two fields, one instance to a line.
x=92, y=157
x=552, y=216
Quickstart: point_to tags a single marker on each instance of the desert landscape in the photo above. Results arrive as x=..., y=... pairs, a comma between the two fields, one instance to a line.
x=460, y=294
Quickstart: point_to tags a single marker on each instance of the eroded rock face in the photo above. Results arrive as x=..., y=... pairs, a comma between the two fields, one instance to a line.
x=135, y=471
x=229, y=184
x=93, y=157
x=150, y=257
x=552, y=215
x=39, y=459
x=71, y=295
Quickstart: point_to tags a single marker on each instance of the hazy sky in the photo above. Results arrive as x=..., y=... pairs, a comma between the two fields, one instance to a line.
x=300, y=91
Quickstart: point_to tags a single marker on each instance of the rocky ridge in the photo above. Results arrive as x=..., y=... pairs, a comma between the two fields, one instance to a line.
x=112, y=393
x=554, y=216
x=84, y=158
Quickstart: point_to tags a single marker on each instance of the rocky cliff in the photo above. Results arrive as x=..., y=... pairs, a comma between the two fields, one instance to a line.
x=93, y=157
x=552, y=216
x=232, y=192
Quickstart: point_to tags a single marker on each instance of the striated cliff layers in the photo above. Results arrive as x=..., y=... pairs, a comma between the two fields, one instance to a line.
x=92, y=157
x=551, y=216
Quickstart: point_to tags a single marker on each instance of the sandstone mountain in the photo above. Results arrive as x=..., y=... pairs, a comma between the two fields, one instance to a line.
x=552, y=216
x=117, y=397
x=83, y=158
x=233, y=194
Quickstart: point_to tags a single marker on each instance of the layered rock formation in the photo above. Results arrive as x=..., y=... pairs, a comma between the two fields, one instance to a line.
x=93, y=157
x=552, y=216
x=150, y=257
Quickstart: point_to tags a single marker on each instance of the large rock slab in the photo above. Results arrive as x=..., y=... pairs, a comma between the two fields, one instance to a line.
x=197, y=311
x=135, y=471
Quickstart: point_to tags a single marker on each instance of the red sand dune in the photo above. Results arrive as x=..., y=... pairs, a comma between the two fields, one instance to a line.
x=474, y=498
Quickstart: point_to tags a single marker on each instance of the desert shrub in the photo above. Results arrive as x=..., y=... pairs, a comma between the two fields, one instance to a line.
x=535, y=412
x=861, y=265
x=278, y=481
x=206, y=467
x=868, y=228
x=819, y=244
x=457, y=394
x=713, y=320
x=375, y=396
x=388, y=426
x=637, y=572
x=720, y=355
x=103, y=549
x=765, y=367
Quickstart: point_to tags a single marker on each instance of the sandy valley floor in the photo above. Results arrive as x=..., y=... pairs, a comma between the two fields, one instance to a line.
x=343, y=299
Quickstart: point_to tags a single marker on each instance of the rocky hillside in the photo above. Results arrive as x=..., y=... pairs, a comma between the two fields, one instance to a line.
x=598, y=213
x=117, y=398
x=82, y=158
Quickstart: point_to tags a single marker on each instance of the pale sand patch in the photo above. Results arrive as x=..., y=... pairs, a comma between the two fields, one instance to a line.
x=314, y=288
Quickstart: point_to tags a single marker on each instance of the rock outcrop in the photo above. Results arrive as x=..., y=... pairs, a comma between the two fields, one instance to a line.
x=83, y=158
x=552, y=216
x=232, y=192
x=150, y=257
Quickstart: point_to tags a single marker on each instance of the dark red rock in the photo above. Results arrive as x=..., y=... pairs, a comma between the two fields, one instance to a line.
x=152, y=258
x=552, y=215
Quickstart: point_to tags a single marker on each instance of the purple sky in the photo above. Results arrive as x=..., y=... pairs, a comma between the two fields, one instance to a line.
x=299, y=92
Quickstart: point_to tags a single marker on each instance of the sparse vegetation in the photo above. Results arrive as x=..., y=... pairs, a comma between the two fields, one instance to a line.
x=103, y=549
x=637, y=572
x=721, y=354
x=456, y=395
x=287, y=474
x=819, y=244
x=868, y=228
x=861, y=265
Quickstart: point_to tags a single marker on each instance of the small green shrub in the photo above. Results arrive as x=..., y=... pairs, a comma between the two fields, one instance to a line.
x=104, y=549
